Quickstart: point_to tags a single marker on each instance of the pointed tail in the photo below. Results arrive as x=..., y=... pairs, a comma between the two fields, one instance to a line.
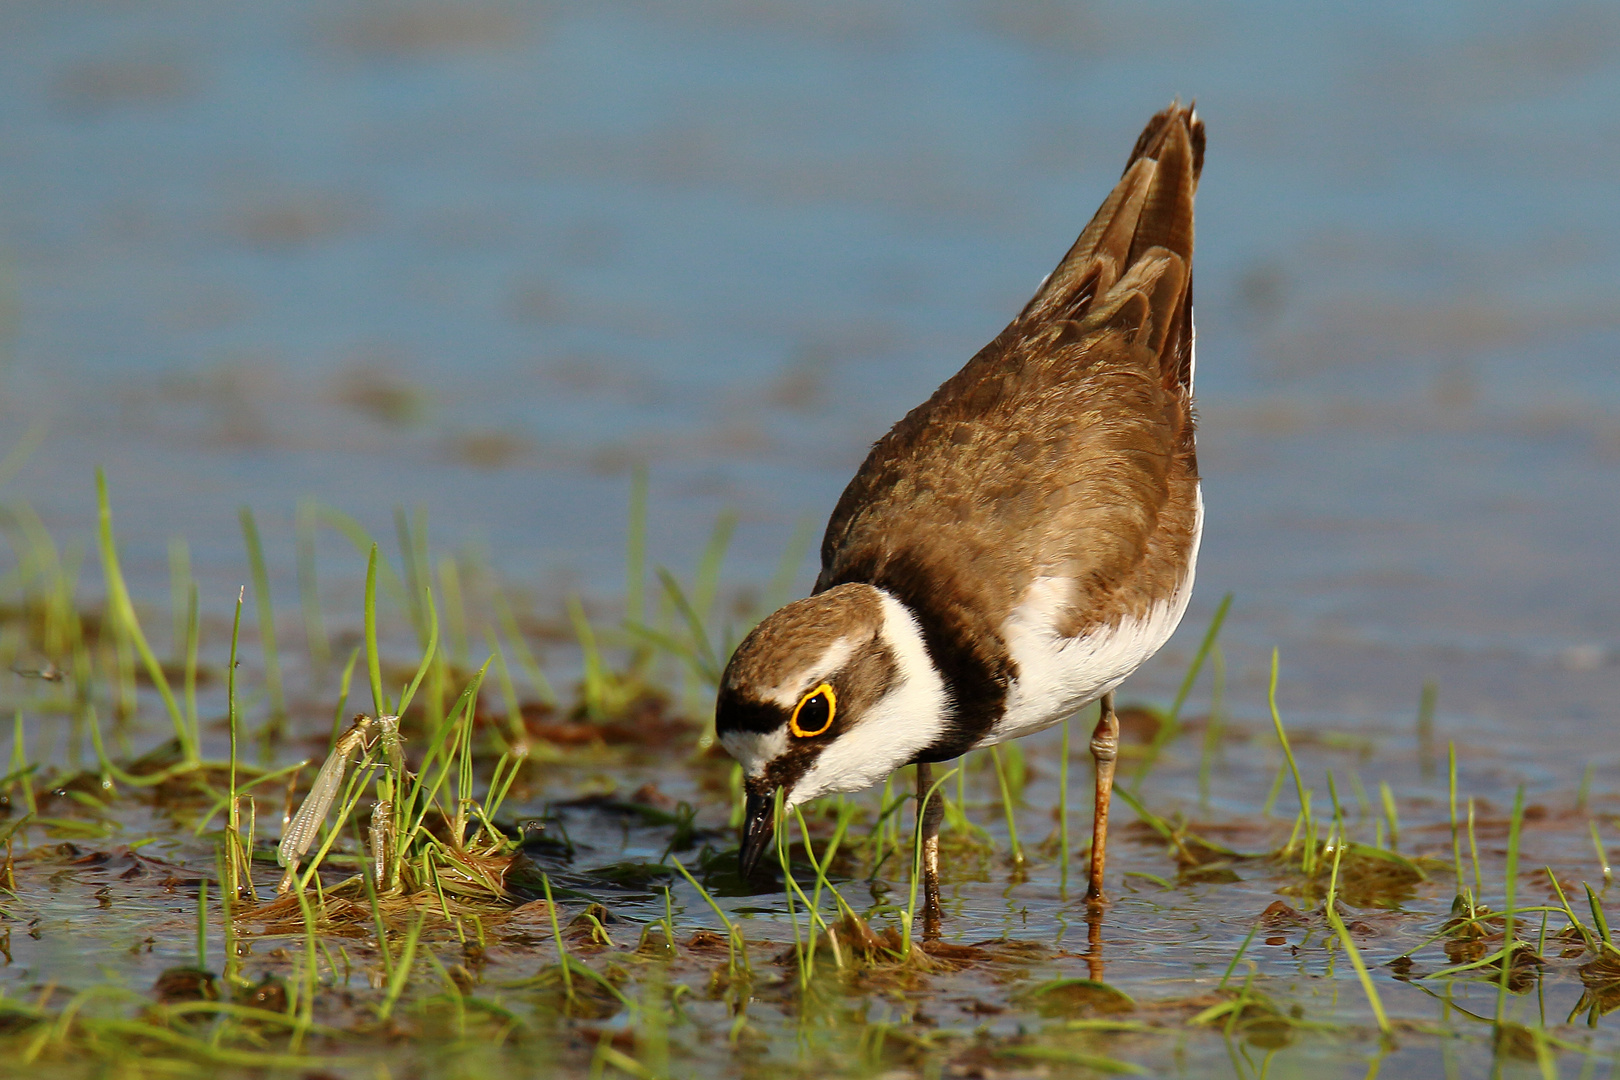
x=1132, y=266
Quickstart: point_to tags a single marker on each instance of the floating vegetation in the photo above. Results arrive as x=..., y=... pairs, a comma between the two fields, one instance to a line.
x=403, y=851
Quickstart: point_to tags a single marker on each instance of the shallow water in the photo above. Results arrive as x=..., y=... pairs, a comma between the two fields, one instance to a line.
x=482, y=258
x=86, y=912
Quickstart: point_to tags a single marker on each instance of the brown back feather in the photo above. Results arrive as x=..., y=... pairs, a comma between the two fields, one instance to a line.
x=1064, y=447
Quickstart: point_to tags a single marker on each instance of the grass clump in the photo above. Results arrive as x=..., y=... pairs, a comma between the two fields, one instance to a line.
x=486, y=868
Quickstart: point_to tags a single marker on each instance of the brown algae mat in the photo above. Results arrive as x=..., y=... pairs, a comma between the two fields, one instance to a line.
x=398, y=852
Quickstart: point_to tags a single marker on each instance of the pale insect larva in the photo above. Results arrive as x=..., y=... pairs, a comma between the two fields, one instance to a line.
x=393, y=749
x=382, y=839
x=300, y=832
x=382, y=814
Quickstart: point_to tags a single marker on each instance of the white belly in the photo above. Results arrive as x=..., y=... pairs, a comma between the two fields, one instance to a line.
x=1058, y=676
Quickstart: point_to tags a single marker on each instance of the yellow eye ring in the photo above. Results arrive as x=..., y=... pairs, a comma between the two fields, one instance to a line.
x=822, y=691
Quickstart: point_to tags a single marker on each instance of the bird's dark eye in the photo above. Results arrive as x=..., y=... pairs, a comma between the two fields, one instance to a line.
x=814, y=713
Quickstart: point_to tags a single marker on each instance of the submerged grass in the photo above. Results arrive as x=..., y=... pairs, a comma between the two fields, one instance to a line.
x=448, y=904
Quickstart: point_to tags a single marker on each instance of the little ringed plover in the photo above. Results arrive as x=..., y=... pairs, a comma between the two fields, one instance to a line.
x=1012, y=549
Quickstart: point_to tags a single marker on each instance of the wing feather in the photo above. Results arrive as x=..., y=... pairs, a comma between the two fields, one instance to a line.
x=1063, y=448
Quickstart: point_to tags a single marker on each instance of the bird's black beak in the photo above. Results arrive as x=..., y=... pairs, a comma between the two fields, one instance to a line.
x=758, y=824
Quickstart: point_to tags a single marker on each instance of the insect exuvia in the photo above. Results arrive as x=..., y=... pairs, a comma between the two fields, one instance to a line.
x=299, y=834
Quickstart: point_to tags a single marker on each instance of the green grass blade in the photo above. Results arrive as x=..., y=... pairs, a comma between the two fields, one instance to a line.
x=787, y=570
x=180, y=585
x=356, y=534
x=455, y=609
x=702, y=647
x=1330, y=909
x=21, y=451
x=202, y=924
x=402, y=970
x=706, y=582
x=189, y=671
x=1007, y=806
x=1600, y=921
x=232, y=719
x=1456, y=830
x=432, y=614
x=520, y=648
x=20, y=769
x=595, y=693
x=267, y=620
x=635, y=554
x=556, y=934
x=1197, y=665
x=309, y=593
x=1391, y=814
x=1282, y=738
x=735, y=937
x=1226, y=976
x=1425, y=727
x=415, y=573
x=379, y=703
x=910, y=918
x=503, y=678
x=123, y=610
x=1509, y=888
x=1063, y=811
x=343, y=693
x=1172, y=723
x=1212, y=730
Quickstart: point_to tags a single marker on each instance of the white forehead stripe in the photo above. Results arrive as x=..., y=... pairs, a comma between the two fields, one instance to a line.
x=909, y=717
x=788, y=694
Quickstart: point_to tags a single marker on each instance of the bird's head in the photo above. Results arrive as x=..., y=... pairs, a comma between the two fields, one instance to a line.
x=830, y=693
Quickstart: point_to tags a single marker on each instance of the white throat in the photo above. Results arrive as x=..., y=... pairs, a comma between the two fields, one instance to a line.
x=910, y=716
